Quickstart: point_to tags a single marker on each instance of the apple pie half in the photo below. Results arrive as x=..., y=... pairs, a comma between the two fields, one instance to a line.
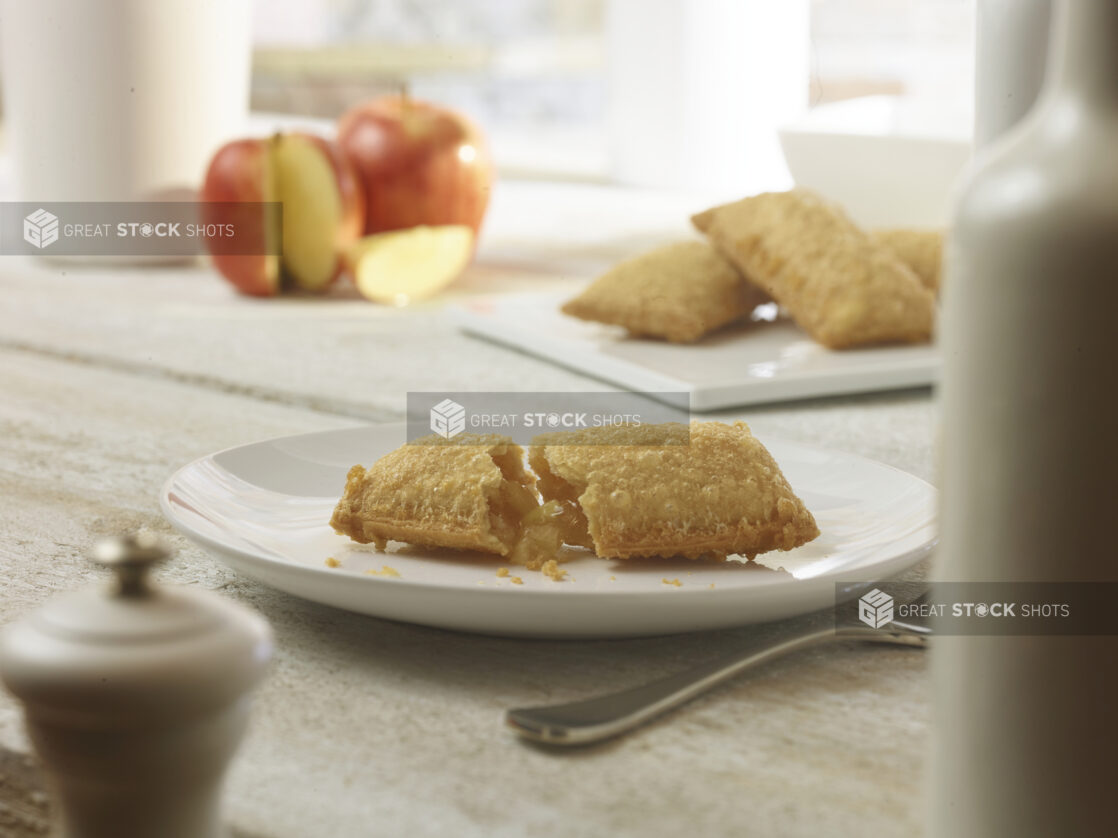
x=704, y=490
x=467, y=492
x=470, y=492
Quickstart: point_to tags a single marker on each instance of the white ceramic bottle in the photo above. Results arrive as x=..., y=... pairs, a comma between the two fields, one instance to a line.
x=1012, y=38
x=1026, y=727
x=136, y=698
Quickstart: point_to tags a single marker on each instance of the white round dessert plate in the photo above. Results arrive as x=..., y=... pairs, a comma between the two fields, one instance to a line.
x=264, y=509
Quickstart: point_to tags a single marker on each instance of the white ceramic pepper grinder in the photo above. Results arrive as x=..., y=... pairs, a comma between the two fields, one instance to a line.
x=1025, y=727
x=136, y=697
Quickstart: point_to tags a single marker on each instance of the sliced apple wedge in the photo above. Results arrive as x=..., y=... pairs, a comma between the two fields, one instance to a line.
x=406, y=265
x=313, y=189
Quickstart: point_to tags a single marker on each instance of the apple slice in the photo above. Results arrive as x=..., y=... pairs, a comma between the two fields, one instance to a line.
x=405, y=265
x=312, y=188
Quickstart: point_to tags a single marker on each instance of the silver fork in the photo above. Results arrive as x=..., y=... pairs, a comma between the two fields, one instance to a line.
x=606, y=716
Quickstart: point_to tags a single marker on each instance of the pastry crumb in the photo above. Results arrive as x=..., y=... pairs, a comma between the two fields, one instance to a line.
x=502, y=572
x=712, y=586
x=675, y=582
x=332, y=562
x=613, y=579
x=516, y=580
x=390, y=572
x=551, y=568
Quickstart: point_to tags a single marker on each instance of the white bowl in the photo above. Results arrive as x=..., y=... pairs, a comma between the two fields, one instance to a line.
x=888, y=163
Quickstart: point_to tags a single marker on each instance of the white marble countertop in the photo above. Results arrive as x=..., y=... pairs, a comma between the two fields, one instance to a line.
x=112, y=378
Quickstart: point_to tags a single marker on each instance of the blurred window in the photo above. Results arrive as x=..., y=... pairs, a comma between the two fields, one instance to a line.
x=921, y=50
x=536, y=72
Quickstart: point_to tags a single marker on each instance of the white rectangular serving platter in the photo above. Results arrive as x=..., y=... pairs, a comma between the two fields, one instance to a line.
x=754, y=363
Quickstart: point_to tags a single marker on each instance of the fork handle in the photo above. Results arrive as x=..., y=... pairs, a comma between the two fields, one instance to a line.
x=606, y=716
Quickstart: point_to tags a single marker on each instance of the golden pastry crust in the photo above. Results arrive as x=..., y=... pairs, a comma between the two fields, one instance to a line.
x=469, y=492
x=679, y=292
x=839, y=286
x=643, y=493
x=921, y=250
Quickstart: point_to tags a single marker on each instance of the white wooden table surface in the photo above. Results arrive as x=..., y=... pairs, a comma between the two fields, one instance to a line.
x=112, y=378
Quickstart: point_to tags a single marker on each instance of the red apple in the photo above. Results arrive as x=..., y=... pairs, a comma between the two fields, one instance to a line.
x=420, y=164
x=323, y=211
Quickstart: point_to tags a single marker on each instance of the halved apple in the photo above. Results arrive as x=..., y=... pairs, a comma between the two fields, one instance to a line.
x=401, y=266
x=322, y=211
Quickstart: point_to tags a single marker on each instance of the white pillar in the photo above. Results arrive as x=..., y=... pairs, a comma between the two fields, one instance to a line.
x=697, y=89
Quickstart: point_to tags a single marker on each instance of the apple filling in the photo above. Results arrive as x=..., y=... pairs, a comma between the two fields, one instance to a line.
x=562, y=496
x=512, y=499
x=534, y=533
